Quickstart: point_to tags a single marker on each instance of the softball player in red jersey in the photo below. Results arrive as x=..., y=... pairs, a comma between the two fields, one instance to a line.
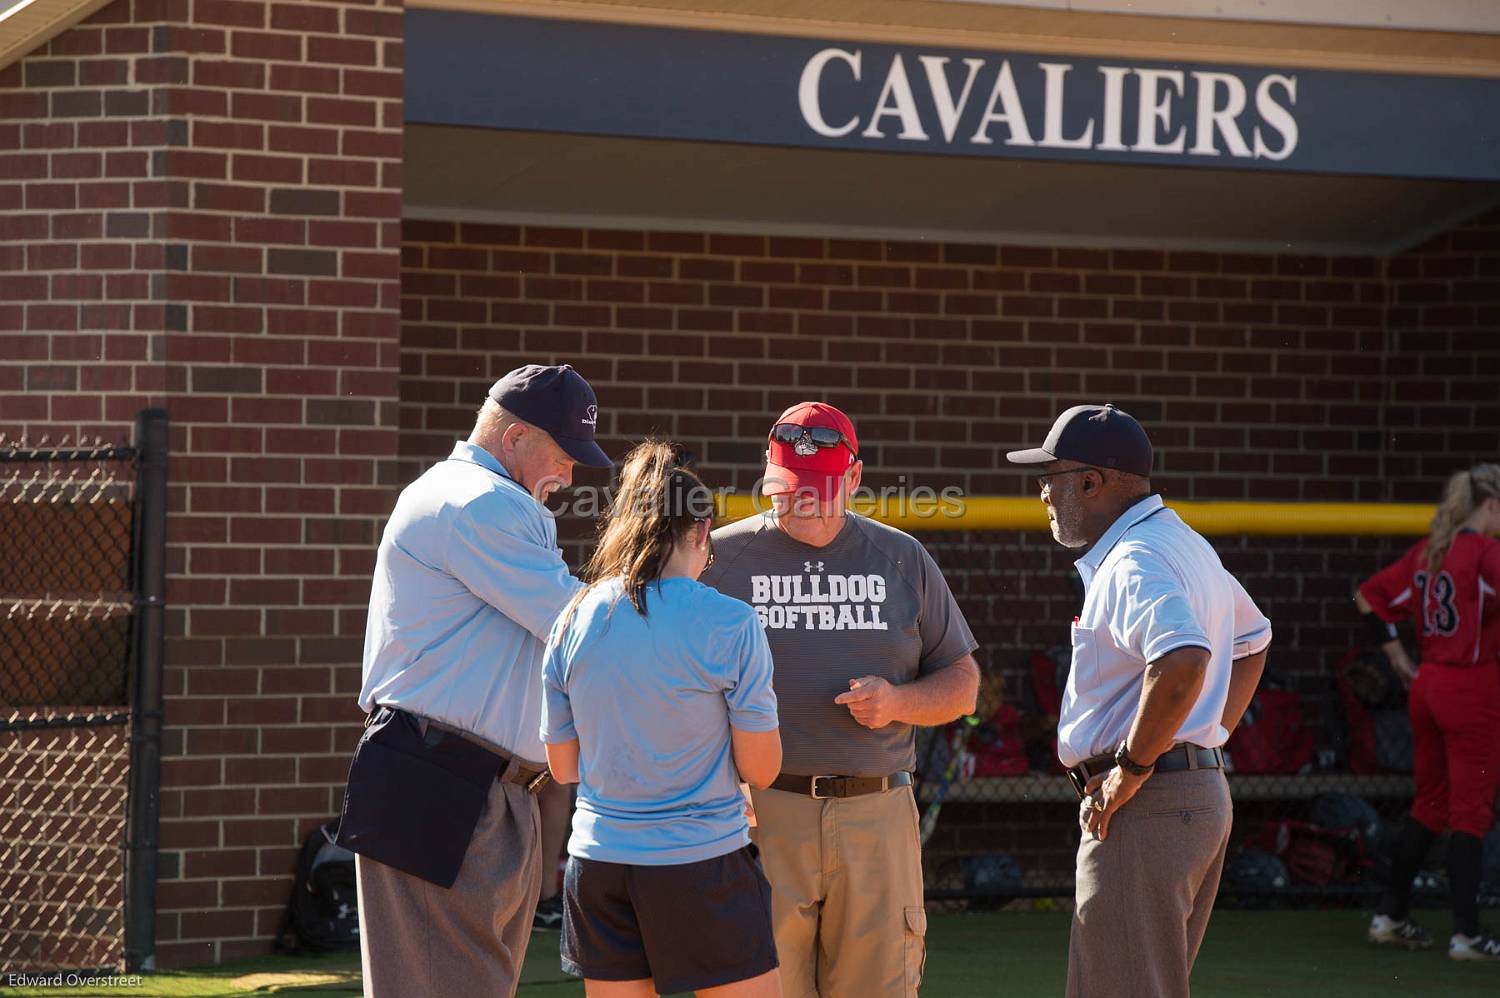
x=1448, y=585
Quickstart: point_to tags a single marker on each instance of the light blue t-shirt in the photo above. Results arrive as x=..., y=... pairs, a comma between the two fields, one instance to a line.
x=651, y=701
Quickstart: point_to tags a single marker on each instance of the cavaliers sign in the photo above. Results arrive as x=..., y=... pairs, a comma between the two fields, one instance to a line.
x=1199, y=112
x=494, y=71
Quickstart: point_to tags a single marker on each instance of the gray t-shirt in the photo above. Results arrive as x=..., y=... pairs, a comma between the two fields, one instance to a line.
x=871, y=603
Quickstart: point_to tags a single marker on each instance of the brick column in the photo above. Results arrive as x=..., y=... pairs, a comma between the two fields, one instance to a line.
x=80, y=317
x=203, y=213
x=281, y=260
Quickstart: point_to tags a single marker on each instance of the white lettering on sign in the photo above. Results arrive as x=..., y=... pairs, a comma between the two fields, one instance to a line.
x=819, y=602
x=896, y=99
x=1215, y=119
x=948, y=110
x=807, y=92
x=1201, y=113
x=1155, y=111
x=1010, y=115
x=1114, y=107
x=1277, y=116
x=1052, y=118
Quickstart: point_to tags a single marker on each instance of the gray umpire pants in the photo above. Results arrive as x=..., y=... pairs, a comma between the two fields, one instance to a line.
x=419, y=940
x=1145, y=893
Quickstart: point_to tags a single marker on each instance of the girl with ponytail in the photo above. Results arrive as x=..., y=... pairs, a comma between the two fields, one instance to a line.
x=1448, y=586
x=657, y=701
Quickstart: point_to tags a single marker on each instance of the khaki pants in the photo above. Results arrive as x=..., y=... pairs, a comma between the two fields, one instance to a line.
x=1145, y=893
x=418, y=940
x=846, y=892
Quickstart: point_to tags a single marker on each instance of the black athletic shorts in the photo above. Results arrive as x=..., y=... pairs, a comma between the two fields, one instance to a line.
x=686, y=927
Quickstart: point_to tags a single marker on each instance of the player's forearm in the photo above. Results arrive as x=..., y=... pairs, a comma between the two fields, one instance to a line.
x=1244, y=677
x=1170, y=689
x=941, y=696
x=757, y=755
x=562, y=761
x=1396, y=652
x=1393, y=648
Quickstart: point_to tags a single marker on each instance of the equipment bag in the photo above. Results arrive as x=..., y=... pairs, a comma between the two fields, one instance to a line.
x=322, y=915
x=1273, y=737
x=1315, y=856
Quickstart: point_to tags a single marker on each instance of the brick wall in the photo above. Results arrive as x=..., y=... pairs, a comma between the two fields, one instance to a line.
x=201, y=212
x=1443, y=396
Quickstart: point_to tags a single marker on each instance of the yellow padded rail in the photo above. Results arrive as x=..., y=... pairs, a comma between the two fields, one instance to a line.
x=1025, y=513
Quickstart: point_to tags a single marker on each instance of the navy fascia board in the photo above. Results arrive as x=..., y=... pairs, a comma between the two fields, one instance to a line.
x=590, y=78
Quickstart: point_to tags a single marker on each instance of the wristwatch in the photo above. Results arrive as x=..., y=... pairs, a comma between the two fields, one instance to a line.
x=1123, y=760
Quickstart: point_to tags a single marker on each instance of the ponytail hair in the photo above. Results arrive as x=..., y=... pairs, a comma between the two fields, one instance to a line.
x=1463, y=494
x=658, y=503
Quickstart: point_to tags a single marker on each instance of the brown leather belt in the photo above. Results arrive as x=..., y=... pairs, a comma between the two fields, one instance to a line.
x=823, y=787
x=533, y=780
x=1177, y=758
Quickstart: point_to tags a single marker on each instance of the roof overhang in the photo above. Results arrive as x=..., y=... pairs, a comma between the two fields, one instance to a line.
x=1199, y=31
x=26, y=25
x=554, y=121
x=551, y=179
x=649, y=82
x=1400, y=15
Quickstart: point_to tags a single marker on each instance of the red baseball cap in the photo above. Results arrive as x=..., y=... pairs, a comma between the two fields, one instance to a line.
x=802, y=465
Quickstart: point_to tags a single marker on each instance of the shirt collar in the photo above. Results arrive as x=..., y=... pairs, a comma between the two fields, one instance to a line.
x=1135, y=514
x=839, y=539
x=474, y=454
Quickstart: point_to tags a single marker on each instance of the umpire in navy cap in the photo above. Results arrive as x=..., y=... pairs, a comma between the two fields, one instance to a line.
x=441, y=804
x=1167, y=651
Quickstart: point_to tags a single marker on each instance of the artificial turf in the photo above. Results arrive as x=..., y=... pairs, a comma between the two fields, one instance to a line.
x=1284, y=953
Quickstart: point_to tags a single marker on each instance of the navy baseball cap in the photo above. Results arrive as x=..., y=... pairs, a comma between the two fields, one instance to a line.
x=558, y=400
x=1100, y=435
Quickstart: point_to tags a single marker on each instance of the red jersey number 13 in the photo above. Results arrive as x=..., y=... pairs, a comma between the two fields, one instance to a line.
x=1439, y=615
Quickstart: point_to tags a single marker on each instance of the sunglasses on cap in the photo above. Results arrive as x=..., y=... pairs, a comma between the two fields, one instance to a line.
x=824, y=437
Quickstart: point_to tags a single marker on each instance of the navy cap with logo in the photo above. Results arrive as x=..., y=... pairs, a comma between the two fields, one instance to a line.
x=1100, y=435
x=558, y=400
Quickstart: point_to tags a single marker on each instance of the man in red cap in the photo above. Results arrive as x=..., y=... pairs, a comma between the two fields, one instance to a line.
x=868, y=643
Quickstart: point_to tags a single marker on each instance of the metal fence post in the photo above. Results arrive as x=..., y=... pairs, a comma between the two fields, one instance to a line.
x=149, y=583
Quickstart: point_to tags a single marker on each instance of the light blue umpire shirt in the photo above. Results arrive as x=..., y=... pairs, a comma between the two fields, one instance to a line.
x=468, y=582
x=1151, y=585
x=651, y=701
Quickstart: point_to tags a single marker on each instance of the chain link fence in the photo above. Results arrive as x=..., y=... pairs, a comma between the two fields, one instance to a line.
x=71, y=526
x=61, y=869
